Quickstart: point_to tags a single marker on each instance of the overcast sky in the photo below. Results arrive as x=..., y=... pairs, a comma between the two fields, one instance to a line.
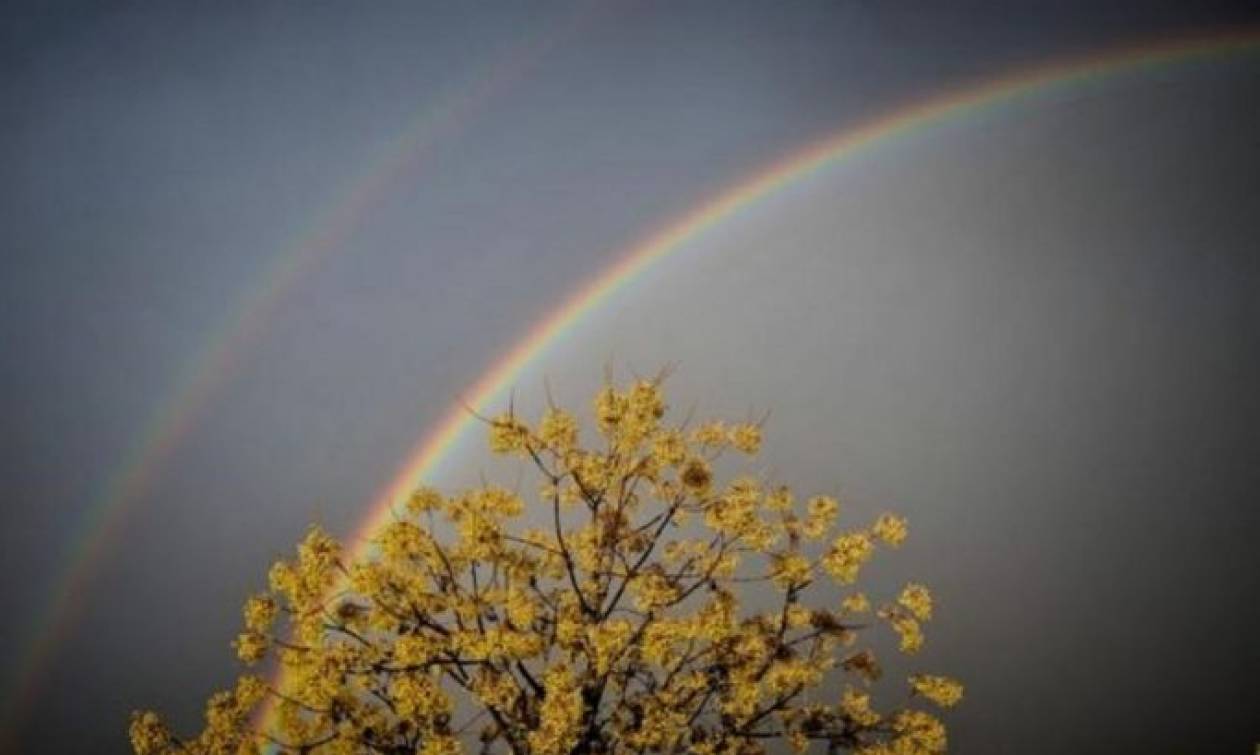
x=1032, y=329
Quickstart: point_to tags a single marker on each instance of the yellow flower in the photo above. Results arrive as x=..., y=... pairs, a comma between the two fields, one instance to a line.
x=820, y=515
x=418, y=698
x=424, y=499
x=785, y=676
x=652, y=591
x=712, y=434
x=740, y=700
x=669, y=448
x=558, y=429
x=847, y=555
x=942, y=690
x=790, y=569
x=645, y=401
x=496, y=502
x=823, y=507
x=521, y=609
x=745, y=438
x=856, y=603
x=918, y=732
x=441, y=745
x=415, y=650
x=249, y=691
x=149, y=736
x=780, y=499
x=401, y=540
x=908, y=629
x=864, y=664
x=891, y=529
x=592, y=470
x=696, y=476
x=917, y=600
x=735, y=513
x=495, y=689
x=857, y=706
x=260, y=612
x=282, y=578
x=508, y=434
x=799, y=616
x=559, y=714
x=610, y=407
x=607, y=640
x=251, y=646
x=658, y=642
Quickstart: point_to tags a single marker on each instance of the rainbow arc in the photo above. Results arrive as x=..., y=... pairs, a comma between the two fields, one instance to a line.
x=492, y=388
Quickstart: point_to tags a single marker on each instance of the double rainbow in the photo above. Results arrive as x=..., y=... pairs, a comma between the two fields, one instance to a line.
x=482, y=396
x=205, y=373
x=425, y=457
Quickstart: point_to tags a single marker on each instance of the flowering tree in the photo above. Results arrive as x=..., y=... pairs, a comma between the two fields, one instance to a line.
x=615, y=628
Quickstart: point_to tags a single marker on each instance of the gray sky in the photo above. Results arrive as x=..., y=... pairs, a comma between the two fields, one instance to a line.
x=1033, y=332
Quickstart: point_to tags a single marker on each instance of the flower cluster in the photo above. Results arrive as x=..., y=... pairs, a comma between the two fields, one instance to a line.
x=601, y=615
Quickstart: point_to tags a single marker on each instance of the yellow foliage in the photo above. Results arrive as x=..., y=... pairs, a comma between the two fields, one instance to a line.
x=612, y=624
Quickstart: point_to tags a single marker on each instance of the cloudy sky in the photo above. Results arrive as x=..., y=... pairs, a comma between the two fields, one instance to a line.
x=252, y=253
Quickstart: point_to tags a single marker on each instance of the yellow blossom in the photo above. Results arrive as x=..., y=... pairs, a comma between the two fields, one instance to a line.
x=417, y=697
x=558, y=429
x=508, y=434
x=559, y=714
x=646, y=403
x=799, y=616
x=628, y=593
x=790, y=569
x=780, y=499
x=908, y=629
x=917, y=600
x=785, y=676
x=891, y=529
x=942, y=690
x=857, y=706
x=249, y=691
x=711, y=434
x=856, y=603
x=494, y=689
x=260, y=612
x=745, y=438
x=669, y=448
x=610, y=407
x=864, y=664
x=251, y=646
x=823, y=507
x=919, y=732
x=660, y=639
x=607, y=641
x=149, y=735
x=696, y=476
x=441, y=745
x=847, y=555
x=424, y=499
x=653, y=590
x=820, y=516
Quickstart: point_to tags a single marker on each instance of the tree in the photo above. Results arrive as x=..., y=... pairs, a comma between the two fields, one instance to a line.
x=615, y=628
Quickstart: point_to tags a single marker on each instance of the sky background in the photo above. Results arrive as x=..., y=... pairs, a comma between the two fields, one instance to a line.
x=1032, y=330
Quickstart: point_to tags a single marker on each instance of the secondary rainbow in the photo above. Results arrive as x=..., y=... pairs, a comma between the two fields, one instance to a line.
x=954, y=104
x=210, y=367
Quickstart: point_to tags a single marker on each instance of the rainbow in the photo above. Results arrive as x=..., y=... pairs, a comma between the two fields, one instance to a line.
x=211, y=367
x=425, y=457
